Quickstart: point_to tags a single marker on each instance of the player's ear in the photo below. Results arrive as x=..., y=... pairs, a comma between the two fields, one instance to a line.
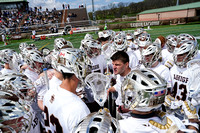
x=127, y=64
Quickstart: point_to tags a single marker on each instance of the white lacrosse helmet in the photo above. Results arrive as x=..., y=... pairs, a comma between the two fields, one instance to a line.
x=143, y=90
x=185, y=37
x=138, y=31
x=189, y=47
x=120, y=41
x=34, y=57
x=22, y=46
x=98, y=122
x=88, y=37
x=12, y=114
x=153, y=50
x=112, y=34
x=62, y=43
x=6, y=55
x=106, y=34
x=129, y=36
x=171, y=42
x=100, y=34
x=144, y=40
x=71, y=60
x=20, y=85
x=92, y=48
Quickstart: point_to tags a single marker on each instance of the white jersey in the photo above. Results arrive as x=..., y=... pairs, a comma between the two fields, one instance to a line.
x=54, y=82
x=63, y=110
x=6, y=71
x=117, y=87
x=166, y=55
x=149, y=125
x=180, y=80
x=163, y=71
x=35, y=125
x=98, y=64
x=139, y=57
x=132, y=46
x=133, y=60
x=33, y=76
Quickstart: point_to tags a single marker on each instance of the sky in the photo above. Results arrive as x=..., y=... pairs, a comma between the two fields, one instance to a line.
x=50, y=4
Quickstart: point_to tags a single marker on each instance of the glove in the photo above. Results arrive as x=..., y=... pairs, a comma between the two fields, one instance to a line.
x=121, y=109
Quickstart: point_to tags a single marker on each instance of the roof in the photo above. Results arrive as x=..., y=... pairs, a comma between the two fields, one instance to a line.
x=173, y=8
x=5, y=1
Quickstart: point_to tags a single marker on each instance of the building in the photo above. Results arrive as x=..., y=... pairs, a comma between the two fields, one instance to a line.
x=172, y=12
x=13, y=5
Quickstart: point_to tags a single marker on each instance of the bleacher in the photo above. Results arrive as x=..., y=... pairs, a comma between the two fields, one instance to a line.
x=79, y=17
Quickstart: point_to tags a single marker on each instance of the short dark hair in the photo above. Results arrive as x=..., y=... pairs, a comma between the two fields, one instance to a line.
x=120, y=55
x=67, y=75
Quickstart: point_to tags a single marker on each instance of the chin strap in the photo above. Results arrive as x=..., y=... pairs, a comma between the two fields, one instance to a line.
x=143, y=116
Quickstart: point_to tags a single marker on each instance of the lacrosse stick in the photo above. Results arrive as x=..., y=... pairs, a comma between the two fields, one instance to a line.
x=107, y=51
x=46, y=78
x=99, y=84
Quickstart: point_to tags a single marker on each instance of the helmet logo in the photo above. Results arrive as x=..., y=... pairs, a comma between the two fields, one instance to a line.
x=62, y=54
x=159, y=93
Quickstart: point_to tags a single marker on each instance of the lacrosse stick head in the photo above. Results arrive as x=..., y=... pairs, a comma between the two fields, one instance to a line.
x=193, y=67
x=99, y=84
x=107, y=50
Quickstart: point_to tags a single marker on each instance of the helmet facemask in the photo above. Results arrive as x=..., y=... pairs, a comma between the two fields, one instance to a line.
x=151, y=55
x=35, y=60
x=171, y=42
x=92, y=48
x=120, y=42
x=188, y=50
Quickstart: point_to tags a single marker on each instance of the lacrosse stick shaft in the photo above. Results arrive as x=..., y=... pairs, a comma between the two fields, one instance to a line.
x=46, y=78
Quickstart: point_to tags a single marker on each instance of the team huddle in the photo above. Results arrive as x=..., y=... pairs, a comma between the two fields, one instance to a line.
x=154, y=85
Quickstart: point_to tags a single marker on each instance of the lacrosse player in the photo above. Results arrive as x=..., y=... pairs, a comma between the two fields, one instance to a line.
x=151, y=58
x=143, y=41
x=143, y=92
x=167, y=54
x=120, y=62
x=62, y=107
x=9, y=58
x=185, y=51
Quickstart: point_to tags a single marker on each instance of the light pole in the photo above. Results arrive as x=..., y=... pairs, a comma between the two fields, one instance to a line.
x=177, y=2
x=93, y=13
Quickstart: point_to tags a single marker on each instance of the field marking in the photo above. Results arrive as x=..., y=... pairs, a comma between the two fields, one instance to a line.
x=43, y=46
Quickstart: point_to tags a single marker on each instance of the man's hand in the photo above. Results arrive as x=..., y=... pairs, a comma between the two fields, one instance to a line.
x=111, y=89
x=121, y=109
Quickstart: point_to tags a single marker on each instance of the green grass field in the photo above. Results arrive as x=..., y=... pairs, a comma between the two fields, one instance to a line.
x=191, y=28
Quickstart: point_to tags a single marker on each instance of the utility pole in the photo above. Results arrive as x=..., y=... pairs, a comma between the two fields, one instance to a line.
x=177, y=2
x=93, y=13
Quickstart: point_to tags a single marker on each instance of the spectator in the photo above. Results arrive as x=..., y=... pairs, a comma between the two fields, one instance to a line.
x=68, y=20
x=3, y=38
x=63, y=5
x=68, y=6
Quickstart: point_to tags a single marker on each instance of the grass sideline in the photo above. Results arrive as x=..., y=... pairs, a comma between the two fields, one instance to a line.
x=191, y=28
